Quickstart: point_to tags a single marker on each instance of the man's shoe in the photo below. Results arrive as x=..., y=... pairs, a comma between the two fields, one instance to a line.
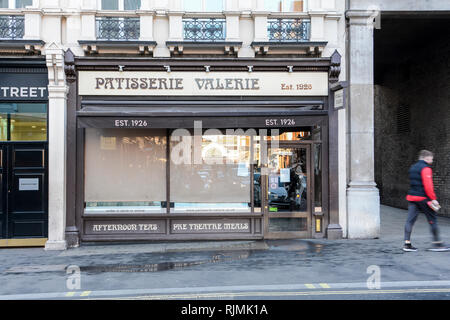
x=438, y=247
x=409, y=248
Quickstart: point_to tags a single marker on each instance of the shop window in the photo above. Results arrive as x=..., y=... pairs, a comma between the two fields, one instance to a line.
x=214, y=177
x=290, y=135
x=120, y=4
x=125, y=170
x=23, y=122
x=3, y=127
x=203, y=5
x=285, y=5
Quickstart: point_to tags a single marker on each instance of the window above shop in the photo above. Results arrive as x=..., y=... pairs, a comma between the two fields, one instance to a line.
x=203, y=5
x=15, y=4
x=12, y=27
x=289, y=35
x=285, y=5
x=120, y=4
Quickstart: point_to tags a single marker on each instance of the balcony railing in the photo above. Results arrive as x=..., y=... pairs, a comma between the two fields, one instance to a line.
x=117, y=28
x=204, y=29
x=12, y=27
x=288, y=30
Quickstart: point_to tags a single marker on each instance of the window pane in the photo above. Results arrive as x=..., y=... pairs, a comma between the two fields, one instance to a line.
x=132, y=4
x=125, y=170
x=289, y=135
x=257, y=165
x=29, y=127
x=110, y=4
x=3, y=127
x=28, y=121
x=193, y=5
x=23, y=3
x=288, y=178
x=293, y=5
x=214, y=5
x=318, y=178
x=3, y=3
x=216, y=177
x=273, y=5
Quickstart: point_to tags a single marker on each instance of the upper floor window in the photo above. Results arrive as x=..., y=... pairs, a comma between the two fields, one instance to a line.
x=284, y=5
x=204, y=5
x=16, y=3
x=120, y=4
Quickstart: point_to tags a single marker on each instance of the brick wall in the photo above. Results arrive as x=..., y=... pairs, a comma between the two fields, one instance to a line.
x=419, y=80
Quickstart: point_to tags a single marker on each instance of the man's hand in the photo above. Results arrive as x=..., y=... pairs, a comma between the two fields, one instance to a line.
x=435, y=203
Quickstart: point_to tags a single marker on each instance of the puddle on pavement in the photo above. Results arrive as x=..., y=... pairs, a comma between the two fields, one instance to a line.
x=300, y=247
x=151, y=267
x=164, y=266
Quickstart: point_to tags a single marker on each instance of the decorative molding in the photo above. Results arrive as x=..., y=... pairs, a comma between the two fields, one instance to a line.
x=69, y=66
x=55, y=63
x=335, y=68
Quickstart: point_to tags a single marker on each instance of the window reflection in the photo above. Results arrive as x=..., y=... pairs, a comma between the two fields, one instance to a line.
x=284, y=5
x=291, y=135
x=216, y=179
x=287, y=183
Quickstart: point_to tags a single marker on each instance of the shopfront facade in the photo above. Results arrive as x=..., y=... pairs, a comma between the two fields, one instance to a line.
x=231, y=152
x=23, y=152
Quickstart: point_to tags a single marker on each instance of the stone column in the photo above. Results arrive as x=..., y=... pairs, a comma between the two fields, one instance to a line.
x=363, y=201
x=57, y=105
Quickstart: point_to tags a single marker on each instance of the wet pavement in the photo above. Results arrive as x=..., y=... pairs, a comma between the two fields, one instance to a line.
x=238, y=266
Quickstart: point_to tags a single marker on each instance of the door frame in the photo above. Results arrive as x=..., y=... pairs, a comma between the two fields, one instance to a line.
x=310, y=196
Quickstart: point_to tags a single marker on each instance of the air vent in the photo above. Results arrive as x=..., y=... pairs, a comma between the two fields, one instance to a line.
x=403, y=119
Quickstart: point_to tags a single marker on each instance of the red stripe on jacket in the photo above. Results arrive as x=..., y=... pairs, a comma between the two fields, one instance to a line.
x=427, y=181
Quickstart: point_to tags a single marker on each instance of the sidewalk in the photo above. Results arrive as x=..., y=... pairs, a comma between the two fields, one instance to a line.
x=227, y=263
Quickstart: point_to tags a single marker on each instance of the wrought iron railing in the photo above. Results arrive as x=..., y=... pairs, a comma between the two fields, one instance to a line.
x=288, y=30
x=118, y=28
x=12, y=27
x=196, y=29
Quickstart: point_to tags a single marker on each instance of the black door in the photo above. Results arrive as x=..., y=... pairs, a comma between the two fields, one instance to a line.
x=24, y=190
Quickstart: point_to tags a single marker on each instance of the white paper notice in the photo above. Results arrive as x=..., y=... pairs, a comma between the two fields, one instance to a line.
x=29, y=184
x=285, y=175
x=242, y=170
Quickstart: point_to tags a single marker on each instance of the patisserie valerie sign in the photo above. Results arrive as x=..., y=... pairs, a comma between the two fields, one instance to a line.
x=145, y=83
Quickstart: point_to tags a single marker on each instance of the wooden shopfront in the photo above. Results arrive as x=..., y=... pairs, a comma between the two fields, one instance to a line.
x=174, y=150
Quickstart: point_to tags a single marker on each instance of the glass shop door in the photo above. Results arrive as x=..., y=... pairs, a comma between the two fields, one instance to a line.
x=287, y=209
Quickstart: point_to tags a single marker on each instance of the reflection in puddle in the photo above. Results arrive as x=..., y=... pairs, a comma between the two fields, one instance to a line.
x=300, y=247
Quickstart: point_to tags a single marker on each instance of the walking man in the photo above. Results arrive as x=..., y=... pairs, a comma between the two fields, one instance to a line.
x=421, y=198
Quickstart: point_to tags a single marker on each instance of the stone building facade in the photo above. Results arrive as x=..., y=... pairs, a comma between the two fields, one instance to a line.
x=279, y=36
